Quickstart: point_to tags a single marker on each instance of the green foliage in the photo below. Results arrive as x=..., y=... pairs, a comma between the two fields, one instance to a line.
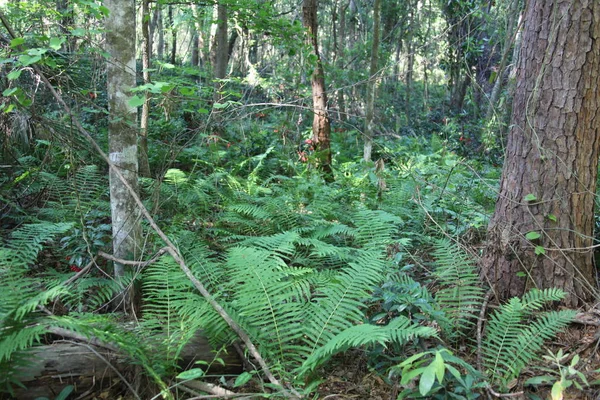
x=459, y=293
x=517, y=331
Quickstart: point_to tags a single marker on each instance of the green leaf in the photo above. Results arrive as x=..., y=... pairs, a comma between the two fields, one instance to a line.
x=539, y=250
x=16, y=42
x=136, y=101
x=203, y=111
x=78, y=32
x=28, y=60
x=427, y=379
x=56, y=43
x=539, y=380
x=530, y=197
x=521, y=274
x=190, y=374
x=242, y=379
x=440, y=367
x=64, y=393
x=551, y=217
x=532, y=235
x=219, y=106
x=14, y=74
x=9, y=92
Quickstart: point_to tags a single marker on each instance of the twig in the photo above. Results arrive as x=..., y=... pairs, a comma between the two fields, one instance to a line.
x=140, y=264
x=172, y=250
x=79, y=274
x=504, y=395
x=211, y=388
x=137, y=396
x=480, y=320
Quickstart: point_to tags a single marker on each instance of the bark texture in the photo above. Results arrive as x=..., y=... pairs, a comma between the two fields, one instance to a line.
x=144, y=166
x=321, y=123
x=122, y=133
x=552, y=154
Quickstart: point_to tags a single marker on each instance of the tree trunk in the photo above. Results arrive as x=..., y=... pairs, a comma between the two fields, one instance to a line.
x=173, y=30
x=549, y=178
x=146, y=56
x=511, y=33
x=122, y=135
x=222, y=46
x=372, y=85
x=321, y=124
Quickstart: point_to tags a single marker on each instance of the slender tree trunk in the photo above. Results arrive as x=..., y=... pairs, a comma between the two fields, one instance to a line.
x=321, y=123
x=66, y=23
x=160, y=45
x=341, y=52
x=122, y=136
x=372, y=85
x=410, y=62
x=173, y=30
x=511, y=32
x=146, y=56
x=549, y=178
x=195, y=58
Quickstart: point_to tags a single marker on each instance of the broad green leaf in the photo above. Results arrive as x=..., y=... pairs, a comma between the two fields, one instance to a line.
x=427, y=379
x=78, y=32
x=16, y=42
x=532, y=235
x=409, y=376
x=9, y=91
x=28, y=60
x=56, y=43
x=219, y=106
x=136, y=101
x=64, y=394
x=539, y=250
x=203, y=111
x=190, y=374
x=242, y=379
x=557, y=390
x=14, y=74
x=552, y=217
x=440, y=367
x=530, y=197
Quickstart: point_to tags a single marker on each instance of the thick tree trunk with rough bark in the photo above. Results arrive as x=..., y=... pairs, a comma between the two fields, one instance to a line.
x=122, y=134
x=321, y=123
x=549, y=178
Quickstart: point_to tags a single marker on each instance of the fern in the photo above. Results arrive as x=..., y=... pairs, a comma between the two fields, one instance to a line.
x=399, y=331
x=459, y=295
x=511, y=342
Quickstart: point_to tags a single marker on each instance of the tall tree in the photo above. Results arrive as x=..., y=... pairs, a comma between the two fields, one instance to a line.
x=144, y=166
x=122, y=134
x=542, y=229
x=321, y=123
x=372, y=84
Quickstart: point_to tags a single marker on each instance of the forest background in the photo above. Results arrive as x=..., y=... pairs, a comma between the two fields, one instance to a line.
x=378, y=199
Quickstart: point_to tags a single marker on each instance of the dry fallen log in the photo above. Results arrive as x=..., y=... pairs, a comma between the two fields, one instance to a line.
x=92, y=368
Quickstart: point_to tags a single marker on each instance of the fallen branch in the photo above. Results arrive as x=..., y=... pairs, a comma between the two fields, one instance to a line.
x=139, y=264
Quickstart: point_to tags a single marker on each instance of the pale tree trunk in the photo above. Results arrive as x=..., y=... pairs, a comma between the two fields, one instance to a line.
x=122, y=135
x=160, y=45
x=410, y=62
x=195, y=58
x=321, y=123
x=146, y=56
x=372, y=85
x=173, y=30
x=549, y=178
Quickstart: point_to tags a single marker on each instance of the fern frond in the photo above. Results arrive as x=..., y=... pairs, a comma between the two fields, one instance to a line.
x=337, y=305
x=460, y=294
x=510, y=343
x=399, y=331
